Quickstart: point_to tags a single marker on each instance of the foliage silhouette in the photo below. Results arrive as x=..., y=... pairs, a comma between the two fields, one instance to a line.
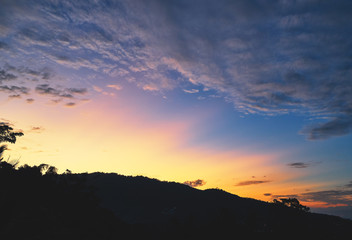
x=292, y=203
x=7, y=134
x=46, y=205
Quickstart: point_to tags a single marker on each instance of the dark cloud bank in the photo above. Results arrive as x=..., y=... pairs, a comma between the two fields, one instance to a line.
x=270, y=57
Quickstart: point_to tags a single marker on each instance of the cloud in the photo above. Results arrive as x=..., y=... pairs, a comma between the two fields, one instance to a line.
x=150, y=87
x=24, y=76
x=43, y=73
x=15, y=96
x=115, y=86
x=195, y=183
x=349, y=185
x=70, y=104
x=11, y=72
x=267, y=194
x=97, y=89
x=30, y=100
x=251, y=182
x=6, y=76
x=339, y=126
x=14, y=90
x=267, y=58
x=298, y=165
x=4, y=121
x=36, y=129
x=191, y=91
x=77, y=90
x=102, y=91
x=328, y=198
x=46, y=89
x=4, y=45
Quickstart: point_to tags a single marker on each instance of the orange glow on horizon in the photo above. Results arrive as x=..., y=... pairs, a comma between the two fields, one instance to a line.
x=130, y=141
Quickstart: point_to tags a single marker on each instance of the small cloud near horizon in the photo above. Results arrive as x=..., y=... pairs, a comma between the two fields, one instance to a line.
x=298, y=165
x=70, y=104
x=251, y=182
x=349, y=185
x=30, y=100
x=37, y=129
x=195, y=183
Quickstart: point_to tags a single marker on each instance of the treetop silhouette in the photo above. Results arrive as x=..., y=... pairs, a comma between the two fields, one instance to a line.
x=7, y=134
x=292, y=203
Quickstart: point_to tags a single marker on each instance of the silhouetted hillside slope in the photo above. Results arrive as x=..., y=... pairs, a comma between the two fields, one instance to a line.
x=37, y=203
x=168, y=205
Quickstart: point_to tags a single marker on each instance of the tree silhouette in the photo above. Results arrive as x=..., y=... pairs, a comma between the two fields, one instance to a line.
x=46, y=205
x=292, y=203
x=7, y=134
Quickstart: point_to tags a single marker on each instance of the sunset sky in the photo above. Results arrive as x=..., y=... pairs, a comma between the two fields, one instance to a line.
x=253, y=97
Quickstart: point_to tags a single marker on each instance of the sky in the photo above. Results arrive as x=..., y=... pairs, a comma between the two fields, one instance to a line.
x=253, y=97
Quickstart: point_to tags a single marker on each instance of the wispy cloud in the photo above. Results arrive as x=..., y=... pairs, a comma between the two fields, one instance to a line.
x=59, y=92
x=14, y=90
x=266, y=58
x=46, y=89
x=115, y=86
x=191, y=91
x=102, y=91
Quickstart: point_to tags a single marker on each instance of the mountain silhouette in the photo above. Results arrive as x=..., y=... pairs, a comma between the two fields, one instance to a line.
x=170, y=206
x=38, y=203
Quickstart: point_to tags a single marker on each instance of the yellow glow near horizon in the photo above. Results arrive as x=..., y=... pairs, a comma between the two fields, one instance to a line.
x=92, y=138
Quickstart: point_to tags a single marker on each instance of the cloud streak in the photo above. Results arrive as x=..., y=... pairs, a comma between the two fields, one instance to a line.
x=191, y=91
x=298, y=165
x=251, y=182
